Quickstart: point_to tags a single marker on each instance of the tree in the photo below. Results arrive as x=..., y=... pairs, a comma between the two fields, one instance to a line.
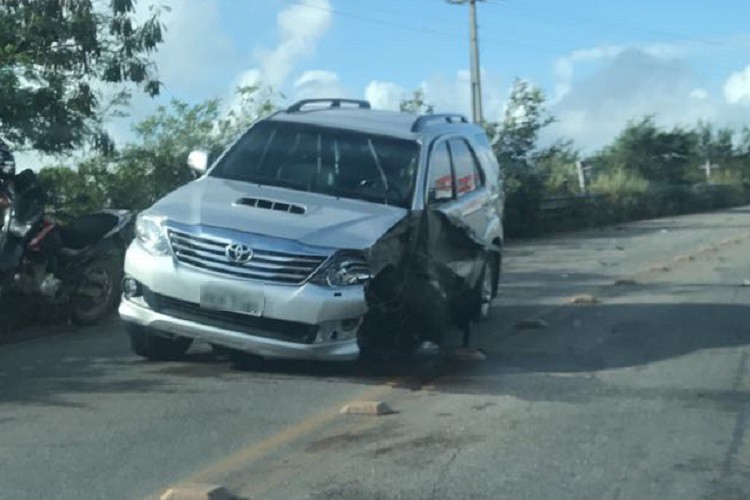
x=515, y=138
x=252, y=103
x=154, y=164
x=417, y=104
x=556, y=165
x=515, y=143
x=657, y=155
x=55, y=54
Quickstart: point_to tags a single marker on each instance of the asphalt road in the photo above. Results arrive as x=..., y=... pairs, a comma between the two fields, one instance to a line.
x=644, y=394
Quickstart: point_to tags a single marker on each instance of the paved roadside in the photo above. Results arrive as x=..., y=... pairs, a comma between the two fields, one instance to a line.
x=643, y=395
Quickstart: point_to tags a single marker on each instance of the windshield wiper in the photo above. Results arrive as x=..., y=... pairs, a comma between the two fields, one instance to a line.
x=351, y=194
x=380, y=170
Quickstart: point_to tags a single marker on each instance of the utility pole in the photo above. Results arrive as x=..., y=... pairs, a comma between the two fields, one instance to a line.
x=476, y=79
x=584, y=169
x=708, y=167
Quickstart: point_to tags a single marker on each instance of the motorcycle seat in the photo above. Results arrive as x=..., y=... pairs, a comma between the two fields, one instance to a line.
x=86, y=230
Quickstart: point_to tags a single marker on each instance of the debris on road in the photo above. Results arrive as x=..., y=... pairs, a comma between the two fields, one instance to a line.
x=367, y=408
x=626, y=282
x=659, y=268
x=683, y=258
x=729, y=241
x=197, y=491
x=746, y=282
x=583, y=299
x=469, y=354
x=531, y=324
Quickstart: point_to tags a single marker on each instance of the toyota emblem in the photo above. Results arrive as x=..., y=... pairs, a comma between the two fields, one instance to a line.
x=238, y=254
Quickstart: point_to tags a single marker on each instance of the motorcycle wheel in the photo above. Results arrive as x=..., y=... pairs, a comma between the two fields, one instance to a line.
x=98, y=292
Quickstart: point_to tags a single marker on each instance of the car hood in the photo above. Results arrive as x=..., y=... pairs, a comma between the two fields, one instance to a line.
x=327, y=221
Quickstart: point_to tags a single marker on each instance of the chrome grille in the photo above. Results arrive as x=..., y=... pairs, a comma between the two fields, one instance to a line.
x=209, y=253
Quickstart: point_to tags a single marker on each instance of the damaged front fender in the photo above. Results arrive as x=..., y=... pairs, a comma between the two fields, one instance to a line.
x=426, y=276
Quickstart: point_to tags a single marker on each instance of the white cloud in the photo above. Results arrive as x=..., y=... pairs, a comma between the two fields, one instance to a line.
x=454, y=95
x=737, y=87
x=248, y=78
x=300, y=29
x=565, y=66
x=193, y=62
x=384, y=95
x=196, y=49
x=451, y=94
x=318, y=83
x=631, y=85
x=699, y=94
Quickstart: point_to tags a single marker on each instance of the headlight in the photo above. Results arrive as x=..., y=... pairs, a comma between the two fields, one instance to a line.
x=344, y=269
x=152, y=236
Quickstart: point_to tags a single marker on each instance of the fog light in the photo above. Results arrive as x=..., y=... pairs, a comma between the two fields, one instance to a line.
x=131, y=288
x=331, y=331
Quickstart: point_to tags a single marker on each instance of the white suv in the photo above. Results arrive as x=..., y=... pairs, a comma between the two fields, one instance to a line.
x=314, y=231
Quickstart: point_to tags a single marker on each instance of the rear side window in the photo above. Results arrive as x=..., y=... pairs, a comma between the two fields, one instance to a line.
x=440, y=185
x=468, y=173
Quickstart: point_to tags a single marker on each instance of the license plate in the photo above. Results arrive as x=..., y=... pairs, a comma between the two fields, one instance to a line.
x=222, y=298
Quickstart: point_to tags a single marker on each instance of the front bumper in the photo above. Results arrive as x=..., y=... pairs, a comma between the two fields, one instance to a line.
x=307, y=304
x=346, y=350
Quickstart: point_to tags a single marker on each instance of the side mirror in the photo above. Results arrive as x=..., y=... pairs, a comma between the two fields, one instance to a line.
x=438, y=195
x=431, y=196
x=198, y=162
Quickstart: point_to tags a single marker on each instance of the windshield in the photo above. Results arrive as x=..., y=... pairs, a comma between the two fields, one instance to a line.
x=323, y=160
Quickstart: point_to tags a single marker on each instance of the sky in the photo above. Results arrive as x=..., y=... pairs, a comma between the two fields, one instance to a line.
x=600, y=63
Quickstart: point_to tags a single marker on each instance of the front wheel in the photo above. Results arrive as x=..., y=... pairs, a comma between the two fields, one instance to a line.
x=98, y=291
x=153, y=347
x=487, y=288
x=389, y=339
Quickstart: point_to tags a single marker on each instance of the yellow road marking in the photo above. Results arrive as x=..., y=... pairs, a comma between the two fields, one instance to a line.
x=272, y=478
x=253, y=452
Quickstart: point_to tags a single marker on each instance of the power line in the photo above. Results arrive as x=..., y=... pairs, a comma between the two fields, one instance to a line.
x=379, y=22
x=505, y=43
x=559, y=17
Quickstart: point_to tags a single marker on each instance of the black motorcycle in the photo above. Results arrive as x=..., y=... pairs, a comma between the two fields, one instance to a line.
x=76, y=262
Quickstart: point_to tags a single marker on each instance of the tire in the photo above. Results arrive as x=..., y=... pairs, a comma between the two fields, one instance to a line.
x=497, y=272
x=486, y=288
x=400, y=345
x=154, y=347
x=103, y=273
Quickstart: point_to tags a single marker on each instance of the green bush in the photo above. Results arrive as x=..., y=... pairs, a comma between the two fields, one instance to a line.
x=623, y=196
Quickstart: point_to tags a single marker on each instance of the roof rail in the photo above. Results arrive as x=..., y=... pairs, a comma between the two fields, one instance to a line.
x=335, y=103
x=421, y=122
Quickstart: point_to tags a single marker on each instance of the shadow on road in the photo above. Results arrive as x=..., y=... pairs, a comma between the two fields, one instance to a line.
x=564, y=361
x=557, y=363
